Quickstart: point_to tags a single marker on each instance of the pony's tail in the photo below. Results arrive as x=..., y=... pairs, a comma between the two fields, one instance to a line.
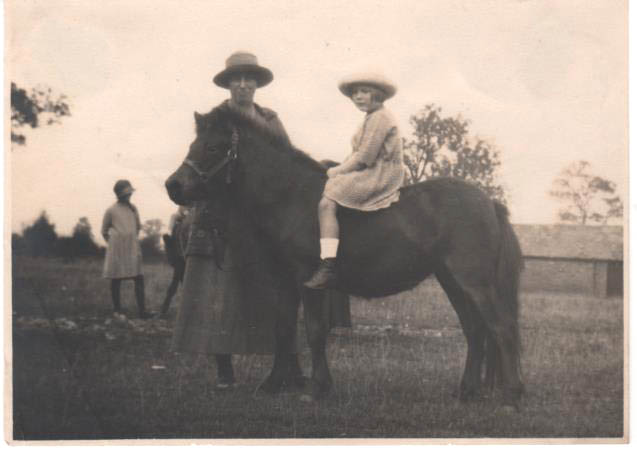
x=510, y=262
x=509, y=267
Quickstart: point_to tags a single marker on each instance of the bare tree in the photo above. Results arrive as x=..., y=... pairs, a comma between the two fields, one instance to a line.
x=587, y=198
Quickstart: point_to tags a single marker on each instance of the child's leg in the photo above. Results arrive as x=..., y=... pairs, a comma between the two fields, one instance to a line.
x=325, y=275
x=139, y=295
x=327, y=218
x=328, y=225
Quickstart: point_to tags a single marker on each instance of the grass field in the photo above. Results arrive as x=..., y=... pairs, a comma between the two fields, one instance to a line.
x=79, y=375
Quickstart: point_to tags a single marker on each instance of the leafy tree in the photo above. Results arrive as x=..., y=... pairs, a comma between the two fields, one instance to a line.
x=18, y=245
x=587, y=198
x=40, y=237
x=441, y=146
x=27, y=108
x=151, y=240
x=84, y=242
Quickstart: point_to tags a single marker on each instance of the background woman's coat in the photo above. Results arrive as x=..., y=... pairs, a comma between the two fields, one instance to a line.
x=121, y=225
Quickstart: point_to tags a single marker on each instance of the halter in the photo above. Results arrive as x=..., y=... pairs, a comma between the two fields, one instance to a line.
x=230, y=157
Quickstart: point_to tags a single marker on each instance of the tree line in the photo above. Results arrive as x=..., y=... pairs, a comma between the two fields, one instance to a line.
x=40, y=239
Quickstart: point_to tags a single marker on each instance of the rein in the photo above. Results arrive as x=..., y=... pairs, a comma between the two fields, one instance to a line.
x=230, y=157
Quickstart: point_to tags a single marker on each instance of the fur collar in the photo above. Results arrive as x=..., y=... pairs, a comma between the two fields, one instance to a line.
x=265, y=120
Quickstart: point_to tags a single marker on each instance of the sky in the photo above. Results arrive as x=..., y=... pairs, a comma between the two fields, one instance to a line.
x=545, y=81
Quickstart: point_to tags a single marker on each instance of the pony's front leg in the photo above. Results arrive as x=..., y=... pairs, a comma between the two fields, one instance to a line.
x=285, y=369
x=316, y=314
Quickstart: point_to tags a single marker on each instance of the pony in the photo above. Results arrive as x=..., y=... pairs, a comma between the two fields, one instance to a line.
x=444, y=227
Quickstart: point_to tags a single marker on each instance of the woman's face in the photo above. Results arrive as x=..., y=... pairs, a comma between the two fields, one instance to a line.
x=363, y=98
x=242, y=88
x=125, y=197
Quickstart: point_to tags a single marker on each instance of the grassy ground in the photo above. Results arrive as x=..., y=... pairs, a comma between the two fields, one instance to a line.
x=77, y=374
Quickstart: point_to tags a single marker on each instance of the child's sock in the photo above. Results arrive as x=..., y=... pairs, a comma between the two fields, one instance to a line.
x=328, y=248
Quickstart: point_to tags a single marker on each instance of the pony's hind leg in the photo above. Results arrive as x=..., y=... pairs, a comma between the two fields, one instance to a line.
x=493, y=374
x=475, y=333
x=502, y=330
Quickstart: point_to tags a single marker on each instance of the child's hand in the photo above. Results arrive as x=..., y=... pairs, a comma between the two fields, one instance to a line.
x=331, y=172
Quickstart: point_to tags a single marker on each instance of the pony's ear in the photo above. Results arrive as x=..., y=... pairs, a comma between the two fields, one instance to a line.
x=199, y=121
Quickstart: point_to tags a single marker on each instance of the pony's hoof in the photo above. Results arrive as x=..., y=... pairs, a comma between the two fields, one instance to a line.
x=506, y=410
x=469, y=396
x=306, y=398
x=270, y=387
x=297, y=383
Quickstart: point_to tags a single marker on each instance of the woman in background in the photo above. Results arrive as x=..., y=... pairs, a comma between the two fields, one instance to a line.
x=120, y=228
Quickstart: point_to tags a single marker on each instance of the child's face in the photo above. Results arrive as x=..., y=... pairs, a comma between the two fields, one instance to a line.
x=363, y=98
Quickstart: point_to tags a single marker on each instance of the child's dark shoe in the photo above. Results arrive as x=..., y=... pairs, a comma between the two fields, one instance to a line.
x=325, y=275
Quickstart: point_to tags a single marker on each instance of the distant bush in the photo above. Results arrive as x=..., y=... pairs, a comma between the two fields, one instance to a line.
x=41, y=240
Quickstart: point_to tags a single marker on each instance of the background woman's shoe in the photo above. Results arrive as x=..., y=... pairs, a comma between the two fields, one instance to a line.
x=146, y=315
x=119, y=316
x=325, y=275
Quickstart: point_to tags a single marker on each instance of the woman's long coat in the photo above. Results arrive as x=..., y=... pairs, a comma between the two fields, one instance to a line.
x=231, y=287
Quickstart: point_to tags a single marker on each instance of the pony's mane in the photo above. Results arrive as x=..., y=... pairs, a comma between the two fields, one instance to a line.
x=280, y=142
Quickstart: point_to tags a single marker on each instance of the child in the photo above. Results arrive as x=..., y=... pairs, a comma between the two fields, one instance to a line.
x=370, y=178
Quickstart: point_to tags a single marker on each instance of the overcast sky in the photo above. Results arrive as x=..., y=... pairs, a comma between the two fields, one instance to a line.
x=546, y=81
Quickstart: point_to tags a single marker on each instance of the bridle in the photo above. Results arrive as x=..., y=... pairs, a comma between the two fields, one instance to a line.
x=230, y=157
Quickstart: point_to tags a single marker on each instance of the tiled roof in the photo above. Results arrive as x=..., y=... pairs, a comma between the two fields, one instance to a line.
x=571, y=241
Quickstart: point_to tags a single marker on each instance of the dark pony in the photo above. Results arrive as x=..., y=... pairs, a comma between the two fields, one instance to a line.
x=445, y=227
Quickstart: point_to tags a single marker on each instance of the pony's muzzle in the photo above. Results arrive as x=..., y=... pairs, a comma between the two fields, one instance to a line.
x=175, y=190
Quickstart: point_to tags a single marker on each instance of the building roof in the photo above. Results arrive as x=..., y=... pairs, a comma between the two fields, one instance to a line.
x=571, y=241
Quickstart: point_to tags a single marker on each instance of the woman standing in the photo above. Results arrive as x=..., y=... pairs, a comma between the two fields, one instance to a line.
x=120, y=228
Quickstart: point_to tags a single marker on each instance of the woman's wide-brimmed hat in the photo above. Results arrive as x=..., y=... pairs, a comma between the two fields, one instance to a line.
x=370, y=79
x=123, y=187
x=244, y=62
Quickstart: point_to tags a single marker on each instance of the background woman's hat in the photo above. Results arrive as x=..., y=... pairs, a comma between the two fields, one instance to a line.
x=370, y=79
x=243, y=62
x=123, y=187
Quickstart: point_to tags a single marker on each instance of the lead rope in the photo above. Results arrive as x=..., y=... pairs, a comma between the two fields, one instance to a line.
x=232, y=154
